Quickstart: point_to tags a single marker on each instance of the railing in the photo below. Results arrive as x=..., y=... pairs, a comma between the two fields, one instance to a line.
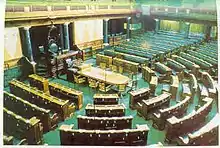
x=153, y=9
x=177, y=10
x=184, y=13
x=34, y=8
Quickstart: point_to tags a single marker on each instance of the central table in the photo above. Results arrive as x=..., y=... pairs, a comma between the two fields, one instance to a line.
x=108, y=77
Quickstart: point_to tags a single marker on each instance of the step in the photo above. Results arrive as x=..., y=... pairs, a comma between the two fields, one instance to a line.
x=45, y=75
x=42, y=72
x=41, y=66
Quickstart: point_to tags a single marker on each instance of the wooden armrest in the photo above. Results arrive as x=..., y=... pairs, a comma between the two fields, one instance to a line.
x=82, y=78
x=109, y=86
x=23, y=142
x=157, y=115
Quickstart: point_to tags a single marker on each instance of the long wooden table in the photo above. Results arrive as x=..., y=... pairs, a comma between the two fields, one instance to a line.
x=108, y=77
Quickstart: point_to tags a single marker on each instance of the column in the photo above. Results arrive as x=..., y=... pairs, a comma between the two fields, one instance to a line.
x=187, y=28
x=212, y=34
x=66, y=35
x=181, y=26
x=128, y=28
x=27, y=42
x=208, y=29
x=105, y=32
x=157, y=28
x=27, y=48
x=61, y=37
x=143, y=25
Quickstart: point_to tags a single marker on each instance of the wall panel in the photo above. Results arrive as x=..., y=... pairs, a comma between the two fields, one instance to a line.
x=12, y=46
x=169, y=25
x=86, y=31
x=197, y=28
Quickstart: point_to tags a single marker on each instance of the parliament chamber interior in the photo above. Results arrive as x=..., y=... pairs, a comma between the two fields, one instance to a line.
x=111, y=73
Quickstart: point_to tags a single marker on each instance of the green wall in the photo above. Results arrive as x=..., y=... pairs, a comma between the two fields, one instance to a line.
x=169, y=25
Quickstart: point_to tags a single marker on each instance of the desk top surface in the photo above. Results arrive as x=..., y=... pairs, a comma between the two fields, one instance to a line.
x=106, y=76
x=157, y=99
x=140, y=91
x=105, y=96
x=163, y=66
x=105, y=107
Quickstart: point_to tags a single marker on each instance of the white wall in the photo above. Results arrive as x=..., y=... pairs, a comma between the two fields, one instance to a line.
x=86, y=31
x=12, y=44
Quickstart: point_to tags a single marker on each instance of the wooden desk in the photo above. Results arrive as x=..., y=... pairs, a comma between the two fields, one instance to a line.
x=40, y=82
x=66, y=93
x=105, y=110
x=153, y=84
x=104, y=76
x=163, y=69
x=193, y=83
x=203, y=91
x=208, y=82
x=31, y=110
x=203, y=64
x=104, y=123
x=174, y=86
x=125, y=137
x=128, y=66
x=206, y=133
x=154, y=103
x=180, y=126
x=105, y=99
x=103, y=59
x=175, y=65
x=29, y=129
x=137, y=96
x=62, y=107
x=176, y=110
x=204, y=57
x=187, y=63
x=186, y=91
x=147, y=73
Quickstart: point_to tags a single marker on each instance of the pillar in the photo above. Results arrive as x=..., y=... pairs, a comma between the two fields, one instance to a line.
x=128, y=28
x=181, y=27
x=208, y=29
x=187, y=27
x=27, y=42
x=66, y=36
x=212, y=34
x=27, y=48
x=26, y=9
x=68, y=8
x=105, y=32
x=49, y=8
x=157, y=28
x=61, y=37
x=143, y=24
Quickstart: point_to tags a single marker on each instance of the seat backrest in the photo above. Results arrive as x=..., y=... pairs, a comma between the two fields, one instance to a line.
x=121, y=88
x=114, y=68
x=120, y=69
x=103, y=65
